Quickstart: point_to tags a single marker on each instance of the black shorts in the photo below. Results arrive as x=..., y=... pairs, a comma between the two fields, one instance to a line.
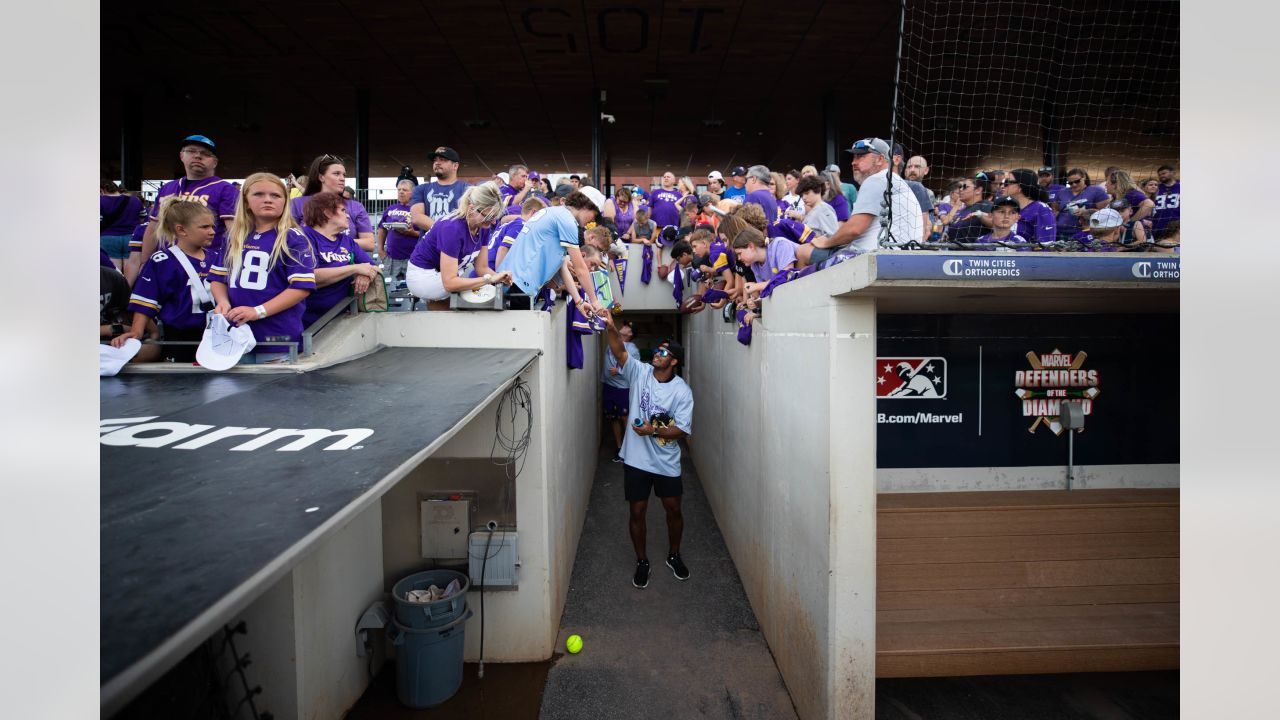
x=636, y=484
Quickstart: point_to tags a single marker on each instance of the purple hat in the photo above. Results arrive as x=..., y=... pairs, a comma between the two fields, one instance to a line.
x=533, y=175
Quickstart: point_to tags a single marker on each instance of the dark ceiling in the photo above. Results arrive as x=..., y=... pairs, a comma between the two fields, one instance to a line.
x=694, y=86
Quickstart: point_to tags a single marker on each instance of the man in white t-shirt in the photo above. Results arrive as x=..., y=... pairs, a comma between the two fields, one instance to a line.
x=861, y=232
x=661, y=413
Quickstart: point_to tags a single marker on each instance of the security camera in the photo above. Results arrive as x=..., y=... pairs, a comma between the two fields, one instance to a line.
x=608, y=118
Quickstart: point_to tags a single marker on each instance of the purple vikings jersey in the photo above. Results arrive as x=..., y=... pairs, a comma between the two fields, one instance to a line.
x=664, y=207
x=719, y=258
x=1036, y=223
x=793, y=230
x=507, y=192
x=164, y=289
x=258, y=281
x=356, y=215
x=123, y=211
x=214, y=193
x=503, y=236
x=329, y=254
x=449, y=237
x=766, y=201
x=1012, y=237
x=780, y=253
x=399, y=245
x=135, y=242
x=1168, y=206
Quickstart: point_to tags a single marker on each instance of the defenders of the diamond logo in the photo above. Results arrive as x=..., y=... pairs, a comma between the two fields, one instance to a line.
x=1054, y=377
x=911, y=378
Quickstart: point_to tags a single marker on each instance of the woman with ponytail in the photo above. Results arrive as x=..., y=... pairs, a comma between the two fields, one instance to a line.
x=268, y=269
x=448, y=258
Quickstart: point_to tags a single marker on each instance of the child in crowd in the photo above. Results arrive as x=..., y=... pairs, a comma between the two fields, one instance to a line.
x=642, y=229
x=1004, y=216
x=268, y=269
x=765, y=257
x=1105, y=227
x=173, y=284
x=502, y=239
x=715, y=267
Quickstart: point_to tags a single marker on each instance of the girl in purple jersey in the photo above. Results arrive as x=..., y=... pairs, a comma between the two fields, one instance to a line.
x=450, y=257
x=268, y=269
x=1036, y=222
x=163, y=288
x=329, y=174
x=341, y=266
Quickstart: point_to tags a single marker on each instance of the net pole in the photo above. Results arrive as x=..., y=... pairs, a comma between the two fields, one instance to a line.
x=886, y=213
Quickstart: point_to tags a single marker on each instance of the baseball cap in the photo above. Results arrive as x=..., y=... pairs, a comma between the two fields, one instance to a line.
x=222, y=345
x=738, y=172
x=533, y=175
x=1105, y=219
x=833, y=168
x=1046, y=170
x=595, y=196
x=675, y=348
x=1005, y=201
x=715, y=175
x=111, y=359
x=200, y=140
x=447, y=153
x=897, y=150
x=562, y=190
x=869, y=145
x=506, y=178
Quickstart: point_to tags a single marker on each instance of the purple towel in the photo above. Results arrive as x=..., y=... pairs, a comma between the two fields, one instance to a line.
x=677, y=290
x=744, y=330
x=646, y=270
x=786, y=277
x=714, y=295
x=578, y=325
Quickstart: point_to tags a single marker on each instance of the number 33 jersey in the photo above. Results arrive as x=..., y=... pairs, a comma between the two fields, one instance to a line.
x=258, y=280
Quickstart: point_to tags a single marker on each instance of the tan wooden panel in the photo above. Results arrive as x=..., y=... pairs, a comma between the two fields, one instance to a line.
x=1014, y=498
x=1053, y=573
x=889, y=665
x=888, y=600
x=925, y=625
x=1085, y=638
x=1002, y=548
x=1027, y=521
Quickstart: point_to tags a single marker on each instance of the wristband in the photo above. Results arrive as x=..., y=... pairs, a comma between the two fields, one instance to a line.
x=262, y=312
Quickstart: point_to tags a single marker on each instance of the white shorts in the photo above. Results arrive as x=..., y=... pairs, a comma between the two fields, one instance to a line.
x=425, y=284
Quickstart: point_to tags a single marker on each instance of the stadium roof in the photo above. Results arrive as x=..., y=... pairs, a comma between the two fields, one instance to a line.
x=694, y=86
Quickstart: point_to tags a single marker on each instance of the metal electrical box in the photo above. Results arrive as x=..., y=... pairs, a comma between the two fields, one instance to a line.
x=445, y=526
x=502, y=569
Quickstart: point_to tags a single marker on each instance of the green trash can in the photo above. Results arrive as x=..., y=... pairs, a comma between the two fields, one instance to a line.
x=428, y=661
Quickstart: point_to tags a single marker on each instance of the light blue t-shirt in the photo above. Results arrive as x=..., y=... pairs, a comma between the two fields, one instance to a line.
x=538, y=251
x=648, y=398
x=619, y=380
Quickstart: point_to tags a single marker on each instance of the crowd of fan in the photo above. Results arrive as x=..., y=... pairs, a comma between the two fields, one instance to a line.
x=278, y=254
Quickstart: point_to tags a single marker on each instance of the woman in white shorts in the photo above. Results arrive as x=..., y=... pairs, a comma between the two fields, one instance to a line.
x=450, y=257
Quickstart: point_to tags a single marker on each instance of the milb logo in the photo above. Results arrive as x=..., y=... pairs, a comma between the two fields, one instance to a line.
x=911, y=378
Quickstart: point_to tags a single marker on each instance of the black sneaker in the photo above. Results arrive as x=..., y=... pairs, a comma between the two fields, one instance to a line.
x=641, y=579
x=677, y=567
x=617, y=458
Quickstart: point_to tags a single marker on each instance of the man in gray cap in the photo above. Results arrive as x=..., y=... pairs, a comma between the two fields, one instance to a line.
x=861, y=232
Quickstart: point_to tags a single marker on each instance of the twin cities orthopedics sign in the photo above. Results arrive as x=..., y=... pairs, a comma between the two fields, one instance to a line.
x=1054, y=377
x=1015, y=266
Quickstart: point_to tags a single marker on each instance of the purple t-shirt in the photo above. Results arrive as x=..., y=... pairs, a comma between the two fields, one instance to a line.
x=780, y=253
x=438, y=200
x=664, y=209
x=1036, y=223
x=356, y=214
x=399, y=245
x=1087, y=199
x=164, y=289
x=328, y=254
x=1168, y=205
x=766, y=201
x=121, y=213
x=841, y=206
x=259, y=280
x=214, y=193
x=1135, y=197
x=503, y=236
x=450, y=237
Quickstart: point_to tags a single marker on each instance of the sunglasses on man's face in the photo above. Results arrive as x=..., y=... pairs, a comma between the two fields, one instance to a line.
x=662, y=352
x=1077, y=181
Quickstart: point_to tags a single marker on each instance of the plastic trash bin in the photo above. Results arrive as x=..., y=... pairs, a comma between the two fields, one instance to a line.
x=428, y=661
x=433, y=614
